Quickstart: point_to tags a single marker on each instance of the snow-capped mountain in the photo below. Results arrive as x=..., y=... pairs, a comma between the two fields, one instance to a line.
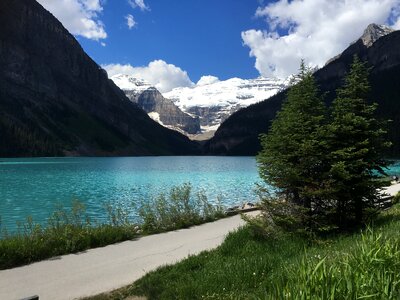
x=225, y=93
x=161, y=110
x=209, y=102
x=215, y=101
x=129, y=83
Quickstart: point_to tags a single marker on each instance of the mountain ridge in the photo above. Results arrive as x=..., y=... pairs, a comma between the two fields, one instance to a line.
x=55, y=100
x=238, y=135
x=160, y=109
x=371, y=34
x=374, y=32
x=214, y=102
x=210, y=102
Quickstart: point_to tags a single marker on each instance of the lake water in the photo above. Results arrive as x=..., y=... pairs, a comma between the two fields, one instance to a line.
x=35, y=186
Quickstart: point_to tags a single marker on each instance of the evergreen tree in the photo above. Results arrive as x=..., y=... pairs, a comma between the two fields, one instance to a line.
x=328, y=169
x=291, y=157
x=356, y=144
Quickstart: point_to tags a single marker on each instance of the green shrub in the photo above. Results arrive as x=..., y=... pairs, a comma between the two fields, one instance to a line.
x=278, y=216
x=179, y=210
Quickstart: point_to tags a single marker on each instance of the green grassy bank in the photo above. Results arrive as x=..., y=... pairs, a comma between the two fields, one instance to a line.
x=71, y=231
x=363, y=265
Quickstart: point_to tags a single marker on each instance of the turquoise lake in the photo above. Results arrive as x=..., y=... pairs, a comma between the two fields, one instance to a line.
x=35, y=186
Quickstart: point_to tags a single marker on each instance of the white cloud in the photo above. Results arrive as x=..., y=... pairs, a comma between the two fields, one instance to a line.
x=163, y=76
x=138, y=3
x=206, y=80
x=395, y=17
x=316, y=30
x=397, y=25
x=80, y=17
x=115, y=69
x=93, y=5
x=130, y=21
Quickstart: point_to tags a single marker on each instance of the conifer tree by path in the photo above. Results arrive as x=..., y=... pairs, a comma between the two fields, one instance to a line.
x=325, y=167
x=291, y=152
x=356, y=149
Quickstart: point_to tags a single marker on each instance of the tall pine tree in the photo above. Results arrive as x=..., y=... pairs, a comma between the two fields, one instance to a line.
x=356, y=145
x=291, y=155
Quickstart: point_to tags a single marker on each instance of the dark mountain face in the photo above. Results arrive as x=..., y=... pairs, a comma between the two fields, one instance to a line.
x=238, y=135
x=55, y=100
x=151, y=100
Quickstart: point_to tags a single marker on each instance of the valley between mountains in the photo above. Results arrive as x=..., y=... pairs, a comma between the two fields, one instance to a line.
x=53, y=107
x=229, y=115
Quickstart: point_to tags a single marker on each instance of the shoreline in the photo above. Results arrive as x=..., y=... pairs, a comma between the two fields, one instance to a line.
x=107, y=268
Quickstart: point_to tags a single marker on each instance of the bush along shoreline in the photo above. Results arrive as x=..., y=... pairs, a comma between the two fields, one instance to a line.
x=72, y=231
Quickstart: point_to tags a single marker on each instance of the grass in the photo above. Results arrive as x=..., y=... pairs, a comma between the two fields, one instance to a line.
x=363, y=265
x=67, y=232
x=73, y=231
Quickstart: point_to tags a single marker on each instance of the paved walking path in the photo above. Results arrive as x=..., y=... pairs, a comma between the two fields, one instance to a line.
x=392, y=190
x=104, y=269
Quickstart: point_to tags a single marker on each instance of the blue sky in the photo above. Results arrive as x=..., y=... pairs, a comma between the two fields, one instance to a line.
x=201, y=37
x=173, y=43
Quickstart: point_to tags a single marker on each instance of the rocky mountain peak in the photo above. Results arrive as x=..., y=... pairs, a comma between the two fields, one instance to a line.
x=374, y=32
x=160, y=109
x=371, y=34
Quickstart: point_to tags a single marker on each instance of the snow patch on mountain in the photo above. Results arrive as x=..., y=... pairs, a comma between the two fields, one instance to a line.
x=129, y=83
x=156, y=117
x=231, y=92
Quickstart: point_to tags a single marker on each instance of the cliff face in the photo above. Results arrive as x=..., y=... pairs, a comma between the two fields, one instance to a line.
x=159, y=108
x=212, y=116
x=373, y=33
x=55, y=100
x=152, y=101
x=238, y=135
